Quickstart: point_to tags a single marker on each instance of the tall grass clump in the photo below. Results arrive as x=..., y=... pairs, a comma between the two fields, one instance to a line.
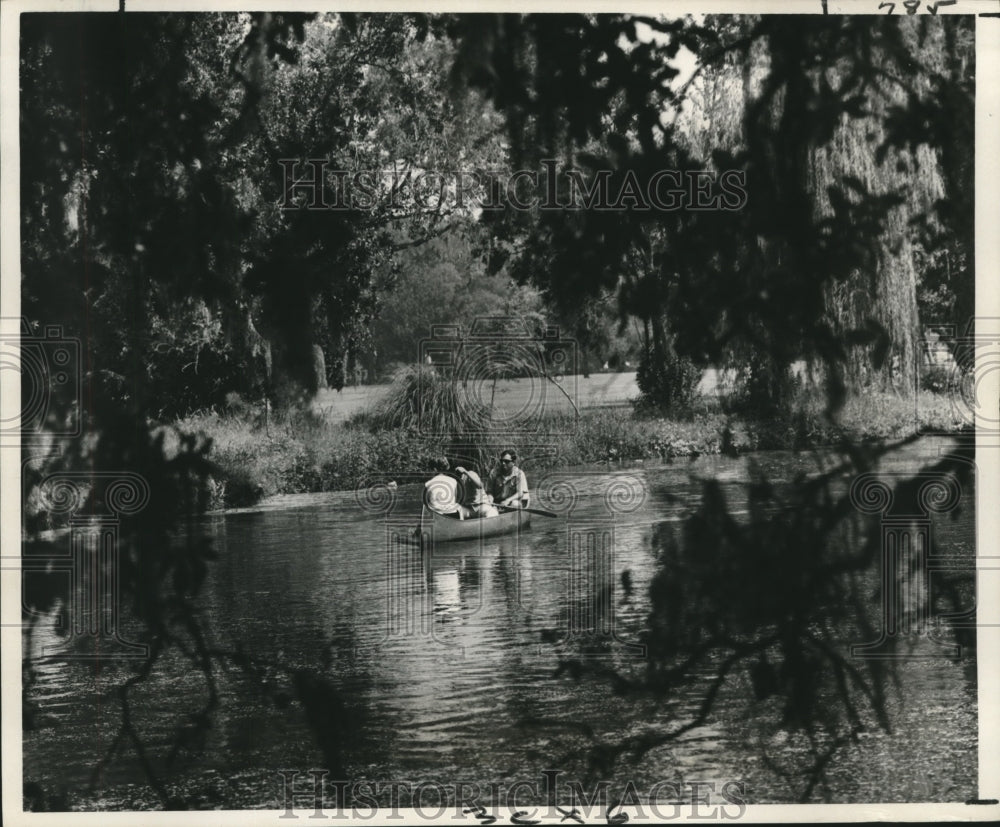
x=429, y=406
x=420, y=398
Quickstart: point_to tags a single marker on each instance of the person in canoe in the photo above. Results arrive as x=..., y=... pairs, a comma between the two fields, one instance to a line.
x=507, y=485
x=458, y=493
x=472, y=494
x=441, y=491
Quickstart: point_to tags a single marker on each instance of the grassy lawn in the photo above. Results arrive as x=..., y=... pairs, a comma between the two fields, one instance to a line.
x=512, y=396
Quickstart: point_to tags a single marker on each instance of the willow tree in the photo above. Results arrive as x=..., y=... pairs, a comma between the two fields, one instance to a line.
x=818, y=263
x=862, y=89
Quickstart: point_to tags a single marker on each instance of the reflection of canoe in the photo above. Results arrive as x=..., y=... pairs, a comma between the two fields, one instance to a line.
x=451, y=528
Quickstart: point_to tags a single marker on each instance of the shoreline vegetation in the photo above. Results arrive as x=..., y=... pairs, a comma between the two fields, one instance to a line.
x=298, y=451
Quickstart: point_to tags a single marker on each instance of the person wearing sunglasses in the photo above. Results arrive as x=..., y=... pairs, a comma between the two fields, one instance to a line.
x=507, y=484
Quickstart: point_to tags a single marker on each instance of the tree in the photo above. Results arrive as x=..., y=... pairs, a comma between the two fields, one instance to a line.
x=165, y=218
x=124, y=217
x=817, y=104
x=138, y=219
x=444, y=282
x=762, y=280
x=184, y=216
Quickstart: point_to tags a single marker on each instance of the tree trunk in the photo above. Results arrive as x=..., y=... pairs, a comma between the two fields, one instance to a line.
x=319, y=368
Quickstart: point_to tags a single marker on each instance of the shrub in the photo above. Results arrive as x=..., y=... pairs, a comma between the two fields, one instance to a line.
x=668, y=385
x=421, y=398
x=940, y=379
x=762, y=388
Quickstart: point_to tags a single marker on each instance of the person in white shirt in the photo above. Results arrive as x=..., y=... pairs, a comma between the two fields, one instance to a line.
x=441, y=490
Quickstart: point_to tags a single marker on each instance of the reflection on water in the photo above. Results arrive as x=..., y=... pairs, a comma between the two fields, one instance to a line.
x=445, y=657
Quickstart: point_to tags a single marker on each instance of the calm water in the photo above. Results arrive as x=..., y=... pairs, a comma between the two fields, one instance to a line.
x=444, y=662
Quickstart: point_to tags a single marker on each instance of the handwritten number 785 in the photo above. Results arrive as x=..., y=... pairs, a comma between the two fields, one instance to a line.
x=911, y=6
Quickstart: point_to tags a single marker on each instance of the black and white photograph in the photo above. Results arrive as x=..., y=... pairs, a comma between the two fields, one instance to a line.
x=500, y=415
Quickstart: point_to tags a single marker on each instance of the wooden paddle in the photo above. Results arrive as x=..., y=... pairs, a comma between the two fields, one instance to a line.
x=540, y=511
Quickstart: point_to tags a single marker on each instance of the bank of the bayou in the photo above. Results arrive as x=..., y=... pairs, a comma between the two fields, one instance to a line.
x=257, y=456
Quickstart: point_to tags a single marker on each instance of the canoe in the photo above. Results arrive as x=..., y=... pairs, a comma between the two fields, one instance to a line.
x=445, y=529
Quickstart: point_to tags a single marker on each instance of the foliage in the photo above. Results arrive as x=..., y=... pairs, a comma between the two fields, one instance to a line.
x=445, y=282
x=942, y=379
x=421, y=398
x=763, y=606
x=154, y=235
x=762, y=387
x=817, y=263
x=184, y=228
x=295, y=454
x=668, y=384
x=124, y=218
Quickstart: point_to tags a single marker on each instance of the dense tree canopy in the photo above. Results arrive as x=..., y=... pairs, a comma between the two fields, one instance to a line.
x=179, y=219
x=816, y=113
